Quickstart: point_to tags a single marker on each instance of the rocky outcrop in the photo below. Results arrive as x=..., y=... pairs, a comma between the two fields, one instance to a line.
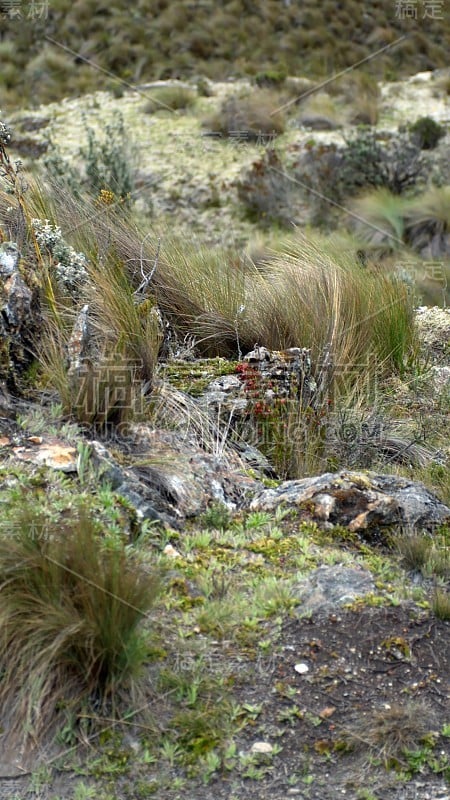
x=166, y=477
x=318, y=122
x=19, y=315
x=169, y=477
x=362, y=502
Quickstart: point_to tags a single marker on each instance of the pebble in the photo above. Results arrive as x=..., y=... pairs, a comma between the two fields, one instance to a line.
x=171, y=551
x=261, y=747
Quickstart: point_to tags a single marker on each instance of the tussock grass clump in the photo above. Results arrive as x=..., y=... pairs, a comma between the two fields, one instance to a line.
x=129, y=321
x=202, y=289
x=313, y=299
x=387, y=221
x=364, y=111
x=428, y=216
x=390, y=733
x=122, y=351
x=321, y=105
x=361, y=93
x=170, y=98
x=306, y=297
x=70, y=619
x=251, y=115
x=381, y=218
x=354, y=84
x=414, y=549
x=426, y=554
x=125, y=329
x=441, y=604
x=231, y=38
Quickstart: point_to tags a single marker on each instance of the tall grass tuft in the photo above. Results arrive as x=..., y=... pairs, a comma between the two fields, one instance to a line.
x=427, y=219
x=128, y=321
x=381, y=218
x=251, y=114
x=70, y=619
x=315, y=298
x=307, y=296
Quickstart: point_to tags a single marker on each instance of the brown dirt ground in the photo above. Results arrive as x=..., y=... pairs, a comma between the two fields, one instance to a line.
x=362, y=661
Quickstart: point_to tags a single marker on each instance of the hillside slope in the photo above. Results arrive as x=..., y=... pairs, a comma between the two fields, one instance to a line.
x=43, y=54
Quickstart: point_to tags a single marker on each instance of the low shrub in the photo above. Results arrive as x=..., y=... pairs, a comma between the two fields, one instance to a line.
x=317, y=174
x=271, y=78
x=266, y=191
x=396, y=165
x=339, y=172
x=403, y=166
x=204, y=88
x=69, y=266
x=426, y=133
x=361, y=163
x=109, y=162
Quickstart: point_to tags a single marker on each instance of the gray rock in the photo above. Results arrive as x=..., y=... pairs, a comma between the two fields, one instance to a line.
x=361, y=501
x=18, y=301
x=318, y=122
x=20, y=317
x=225, y=384
x=441, y=379
x=9, y=259
x=170, y=478
x=224, y=396
x=108, y=468
x=329, y=587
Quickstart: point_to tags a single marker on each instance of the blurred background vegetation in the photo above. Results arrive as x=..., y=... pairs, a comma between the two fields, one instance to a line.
x=161, y=39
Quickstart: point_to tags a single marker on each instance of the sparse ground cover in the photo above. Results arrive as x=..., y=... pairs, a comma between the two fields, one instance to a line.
x=224, y=643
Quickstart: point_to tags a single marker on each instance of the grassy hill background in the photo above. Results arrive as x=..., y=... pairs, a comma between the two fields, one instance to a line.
x=159, y=39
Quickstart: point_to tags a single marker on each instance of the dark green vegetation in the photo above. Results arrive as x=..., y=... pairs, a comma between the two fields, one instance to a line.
x=158, y=39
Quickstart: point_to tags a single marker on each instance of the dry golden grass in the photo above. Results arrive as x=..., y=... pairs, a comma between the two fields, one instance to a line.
x=251, y=114
x=389, y=733
x=69, y=619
